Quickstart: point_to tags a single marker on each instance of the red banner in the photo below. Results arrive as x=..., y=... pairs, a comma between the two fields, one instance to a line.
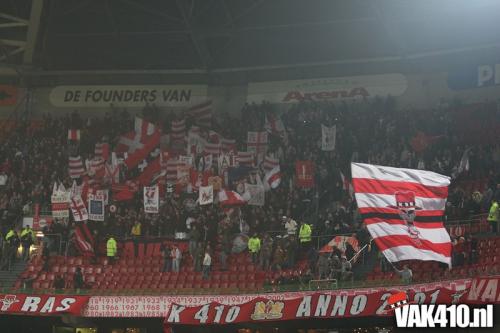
x=42, y=304
x=317, y=305
x=304, y=171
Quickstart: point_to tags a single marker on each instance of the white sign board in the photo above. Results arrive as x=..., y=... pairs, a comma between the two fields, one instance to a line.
x=128, y=96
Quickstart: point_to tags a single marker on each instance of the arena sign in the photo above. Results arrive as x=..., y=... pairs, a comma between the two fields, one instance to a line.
x=128, y=96
x=340, y=88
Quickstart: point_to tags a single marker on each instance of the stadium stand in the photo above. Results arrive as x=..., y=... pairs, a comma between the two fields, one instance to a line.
x=383, y=136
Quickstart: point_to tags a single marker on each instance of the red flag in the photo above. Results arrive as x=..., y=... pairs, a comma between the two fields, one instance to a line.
x=76, y=169
x=230, y=198
x=84, y=239
x=421, y=140
x=74, y=134
x=139, y=155
x=304, y=171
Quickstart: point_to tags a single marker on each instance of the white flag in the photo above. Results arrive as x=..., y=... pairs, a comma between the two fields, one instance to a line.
x=206, y=195
x=256, y=194
x=328, y=137
x=78, y=209
x=151, y=199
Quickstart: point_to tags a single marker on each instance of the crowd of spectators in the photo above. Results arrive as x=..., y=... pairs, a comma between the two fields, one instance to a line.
x=35, y=155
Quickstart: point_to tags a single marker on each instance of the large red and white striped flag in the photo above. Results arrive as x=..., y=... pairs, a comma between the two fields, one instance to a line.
x=403, y=210
x=202, y=114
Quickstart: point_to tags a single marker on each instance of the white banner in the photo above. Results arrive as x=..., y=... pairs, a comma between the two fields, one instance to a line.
x=257, y=144
x=128, y=96
x=226, y=161
x=354, y=87
x=328, y=137
x=96, y=207
x=257, y=196
x=206, y=195
x=187, y=160
x=151, y=199
x=60, y=204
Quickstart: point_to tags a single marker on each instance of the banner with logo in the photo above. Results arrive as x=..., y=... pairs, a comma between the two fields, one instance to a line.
x=128, y=96
x=304, y=172
x=60, y=204
x=151, y=199
x=327, y=89
x=328, y=137
x=96, y=207
x=42, y=304
x=313, y=305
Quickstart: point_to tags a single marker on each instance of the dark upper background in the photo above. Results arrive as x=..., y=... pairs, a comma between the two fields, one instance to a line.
x=217, y=34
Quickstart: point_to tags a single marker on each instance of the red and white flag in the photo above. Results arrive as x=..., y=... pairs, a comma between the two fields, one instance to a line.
x=74, y=134
x=245, y=158
x=274, y=124
x=150, y=144
x=178, y=130
x=76, y=169
x=172, y=165
x=143, y=127
x=202, y=114
x=403, y=210
x=96, y=167
x=112, y=173
x=135, y=140
x=230, y=198
x=273, y=177
x=257, y=142
x=78, y=209
x=228, y=145
x=101, y=150
x=270, y=163
x=212, y=148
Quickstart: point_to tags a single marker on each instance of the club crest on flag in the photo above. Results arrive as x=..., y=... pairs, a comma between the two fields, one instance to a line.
x=406, y=207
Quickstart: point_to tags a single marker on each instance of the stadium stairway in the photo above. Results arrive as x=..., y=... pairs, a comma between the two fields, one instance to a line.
x=362, y=269
x=8, y=278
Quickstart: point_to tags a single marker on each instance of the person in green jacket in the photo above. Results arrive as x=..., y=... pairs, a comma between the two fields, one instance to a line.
x=493, y=215
x=111, y=249
x=305, y=233
x=254, y=247
x=27, y=239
